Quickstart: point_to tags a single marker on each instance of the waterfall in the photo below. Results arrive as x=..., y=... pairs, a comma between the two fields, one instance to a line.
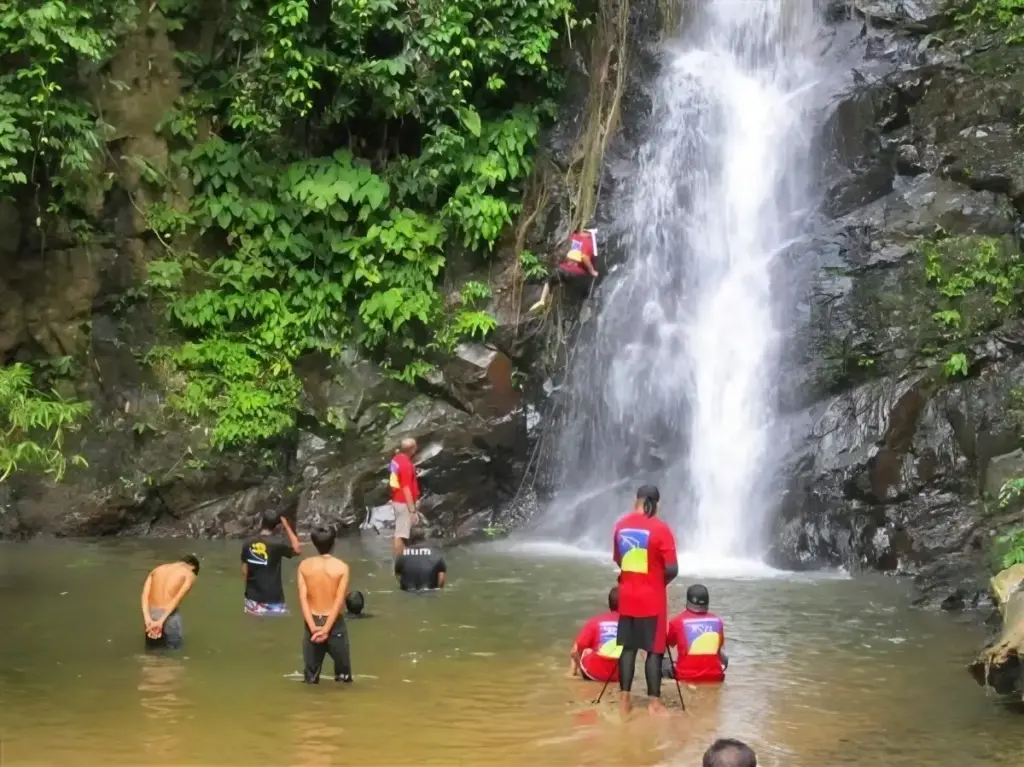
x=676, y=382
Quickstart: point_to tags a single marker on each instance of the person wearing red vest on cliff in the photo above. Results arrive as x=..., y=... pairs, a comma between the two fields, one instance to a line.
x=698, y=636
x=576, y=269
x=595, y=653
x=405, y=493
x=645, y=551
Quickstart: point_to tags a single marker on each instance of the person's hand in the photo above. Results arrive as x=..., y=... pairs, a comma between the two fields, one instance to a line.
x=320, y=635
x=154, y=629
x=414, y=517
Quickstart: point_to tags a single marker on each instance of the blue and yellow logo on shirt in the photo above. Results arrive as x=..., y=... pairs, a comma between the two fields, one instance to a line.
x=632, y=545
x=393, y=480
x=702, y=637
x=608, y=639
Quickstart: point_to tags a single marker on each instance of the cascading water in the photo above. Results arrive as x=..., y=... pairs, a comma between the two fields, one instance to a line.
x=682, y=363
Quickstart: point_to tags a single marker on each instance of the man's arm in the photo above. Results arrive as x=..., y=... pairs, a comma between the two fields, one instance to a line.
x=672, y=639
x=588, y=264
x=398, y=567
x=442, y=568
x=615, y=547
x=307, y=614
x=668, y=555
x=183, y=589
x=293, y=539
x=574, y=660
x=146, y=588
x=339, y=602
x=245, y=572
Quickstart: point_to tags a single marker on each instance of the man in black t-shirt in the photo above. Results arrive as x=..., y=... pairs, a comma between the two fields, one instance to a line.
x=261, y=566
x=419, y=566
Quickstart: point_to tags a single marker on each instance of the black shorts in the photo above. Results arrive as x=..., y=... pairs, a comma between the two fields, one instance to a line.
x=578, y=283
x=638, y=633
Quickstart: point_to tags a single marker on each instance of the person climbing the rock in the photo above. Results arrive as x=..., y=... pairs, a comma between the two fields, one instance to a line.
x=405, y=493
x=576, y=270
x=698, y=636
x=323, y=587
x=595, y=653
x=261, y=565
x=645, y=551
x=162, y=592
x=420, y=567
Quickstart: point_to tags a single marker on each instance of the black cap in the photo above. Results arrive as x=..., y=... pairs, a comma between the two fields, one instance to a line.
x=648, y=492
x=698, y=595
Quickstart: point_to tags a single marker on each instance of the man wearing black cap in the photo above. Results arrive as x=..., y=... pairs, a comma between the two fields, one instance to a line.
x=645, y=551
x=699, y=636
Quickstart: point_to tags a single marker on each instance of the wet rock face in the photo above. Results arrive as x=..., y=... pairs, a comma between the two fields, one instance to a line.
x=896, y=465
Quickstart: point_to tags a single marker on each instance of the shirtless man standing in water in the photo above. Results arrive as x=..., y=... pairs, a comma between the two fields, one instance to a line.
x=323, y=584
x=162, y=592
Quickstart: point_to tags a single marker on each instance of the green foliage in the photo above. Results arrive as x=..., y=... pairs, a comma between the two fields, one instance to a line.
x=979, y=281
x=328, y=161
x=49, y=130
x=1001, y=16
x=1009, y=549
x=533, y=268
x=356, y=146
x=32, y=425
x=956, y=365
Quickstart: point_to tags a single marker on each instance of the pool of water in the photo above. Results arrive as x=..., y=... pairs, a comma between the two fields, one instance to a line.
x=825, y=671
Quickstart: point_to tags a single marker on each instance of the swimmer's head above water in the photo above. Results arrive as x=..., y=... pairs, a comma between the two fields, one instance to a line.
x=192, y=561
x=323, y=539
x=613, y=599
x=355, y=602
x=727, y=752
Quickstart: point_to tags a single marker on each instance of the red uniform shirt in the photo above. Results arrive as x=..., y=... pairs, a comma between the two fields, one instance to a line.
x=403, y=475
x=583, y=245
x=699, y=638
x=600, y=635
x=643, y=546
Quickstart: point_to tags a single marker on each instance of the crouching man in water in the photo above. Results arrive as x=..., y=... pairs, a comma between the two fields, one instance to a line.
x=699, y=636
x=323, y=585
x=162, y=593
x=420, y=567
x=261, y=565
x=595, y=653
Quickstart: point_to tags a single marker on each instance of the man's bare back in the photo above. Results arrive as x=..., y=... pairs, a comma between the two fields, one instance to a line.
x=165, y=587
x=323, y=576
x=167, y=581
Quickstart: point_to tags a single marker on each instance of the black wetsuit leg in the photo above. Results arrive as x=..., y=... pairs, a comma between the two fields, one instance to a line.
x=627, y=667
x=337, y=648
x=652, y=670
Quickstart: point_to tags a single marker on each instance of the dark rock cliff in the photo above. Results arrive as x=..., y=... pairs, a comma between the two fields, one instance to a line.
x=899, y=462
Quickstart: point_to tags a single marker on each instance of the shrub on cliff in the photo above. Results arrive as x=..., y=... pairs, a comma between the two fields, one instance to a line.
x=32, y=425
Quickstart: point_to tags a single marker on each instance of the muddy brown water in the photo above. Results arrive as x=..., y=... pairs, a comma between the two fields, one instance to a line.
x=824, y=671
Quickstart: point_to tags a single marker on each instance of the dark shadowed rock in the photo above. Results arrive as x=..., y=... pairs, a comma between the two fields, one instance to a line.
x=917, y=15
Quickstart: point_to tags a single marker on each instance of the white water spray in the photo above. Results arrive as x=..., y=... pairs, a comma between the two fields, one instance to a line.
x=683, y=363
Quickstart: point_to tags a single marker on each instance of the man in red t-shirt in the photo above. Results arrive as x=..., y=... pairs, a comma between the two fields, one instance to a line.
x=405, y=494
x=595, y=653
x=645, y=551
x=699, y=636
